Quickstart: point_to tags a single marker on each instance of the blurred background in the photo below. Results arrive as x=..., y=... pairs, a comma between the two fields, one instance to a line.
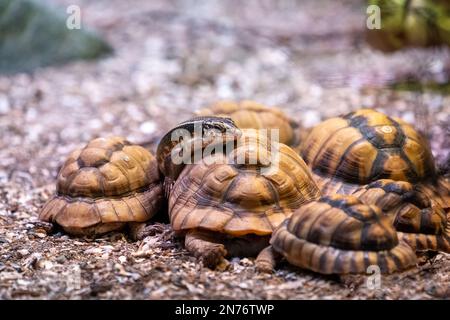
x=72, y=70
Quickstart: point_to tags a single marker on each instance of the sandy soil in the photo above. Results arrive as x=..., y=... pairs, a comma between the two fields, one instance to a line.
x=171, y=58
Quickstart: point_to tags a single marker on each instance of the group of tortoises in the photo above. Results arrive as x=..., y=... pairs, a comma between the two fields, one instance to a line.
x=356, y=190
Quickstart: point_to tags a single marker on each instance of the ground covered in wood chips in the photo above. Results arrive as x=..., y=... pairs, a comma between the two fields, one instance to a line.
x=170, y=59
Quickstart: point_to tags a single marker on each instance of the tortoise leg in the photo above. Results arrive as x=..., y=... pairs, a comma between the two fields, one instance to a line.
x=204, y=245
x=45, y=226
x=266, y=260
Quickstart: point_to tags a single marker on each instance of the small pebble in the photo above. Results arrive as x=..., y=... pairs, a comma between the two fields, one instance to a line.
x=44, y=264
x=408, y=116
x=61, y=259
x=23, y=252
x=105, y=256
x=246, y=262
x=4, y=105
x=147, y=127
x=310, y=118
x=93, y=251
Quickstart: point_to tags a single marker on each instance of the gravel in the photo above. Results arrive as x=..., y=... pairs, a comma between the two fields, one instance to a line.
x=171, y=58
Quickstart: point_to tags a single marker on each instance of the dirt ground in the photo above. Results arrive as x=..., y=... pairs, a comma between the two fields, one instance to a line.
x=171, y=58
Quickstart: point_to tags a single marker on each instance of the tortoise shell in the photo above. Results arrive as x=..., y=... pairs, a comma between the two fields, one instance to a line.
x=420, y=221
x=104, y=185
x=339, y=234
x=252, y=115
x=247, y=191
x=363, y=146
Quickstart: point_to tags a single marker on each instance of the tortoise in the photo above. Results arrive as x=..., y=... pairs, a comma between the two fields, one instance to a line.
x=420, y=221
x=228, y=204
x=350, y=151
x=249, y=114
x=339, y=234
x=104, y=186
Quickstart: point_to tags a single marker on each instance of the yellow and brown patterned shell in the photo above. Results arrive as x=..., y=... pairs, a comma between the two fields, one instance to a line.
x=365, y=146
x=438, y=190
x=245, y=192
x=252, y=115
x=103, y=186
x=420, y=221
x=338, y=235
